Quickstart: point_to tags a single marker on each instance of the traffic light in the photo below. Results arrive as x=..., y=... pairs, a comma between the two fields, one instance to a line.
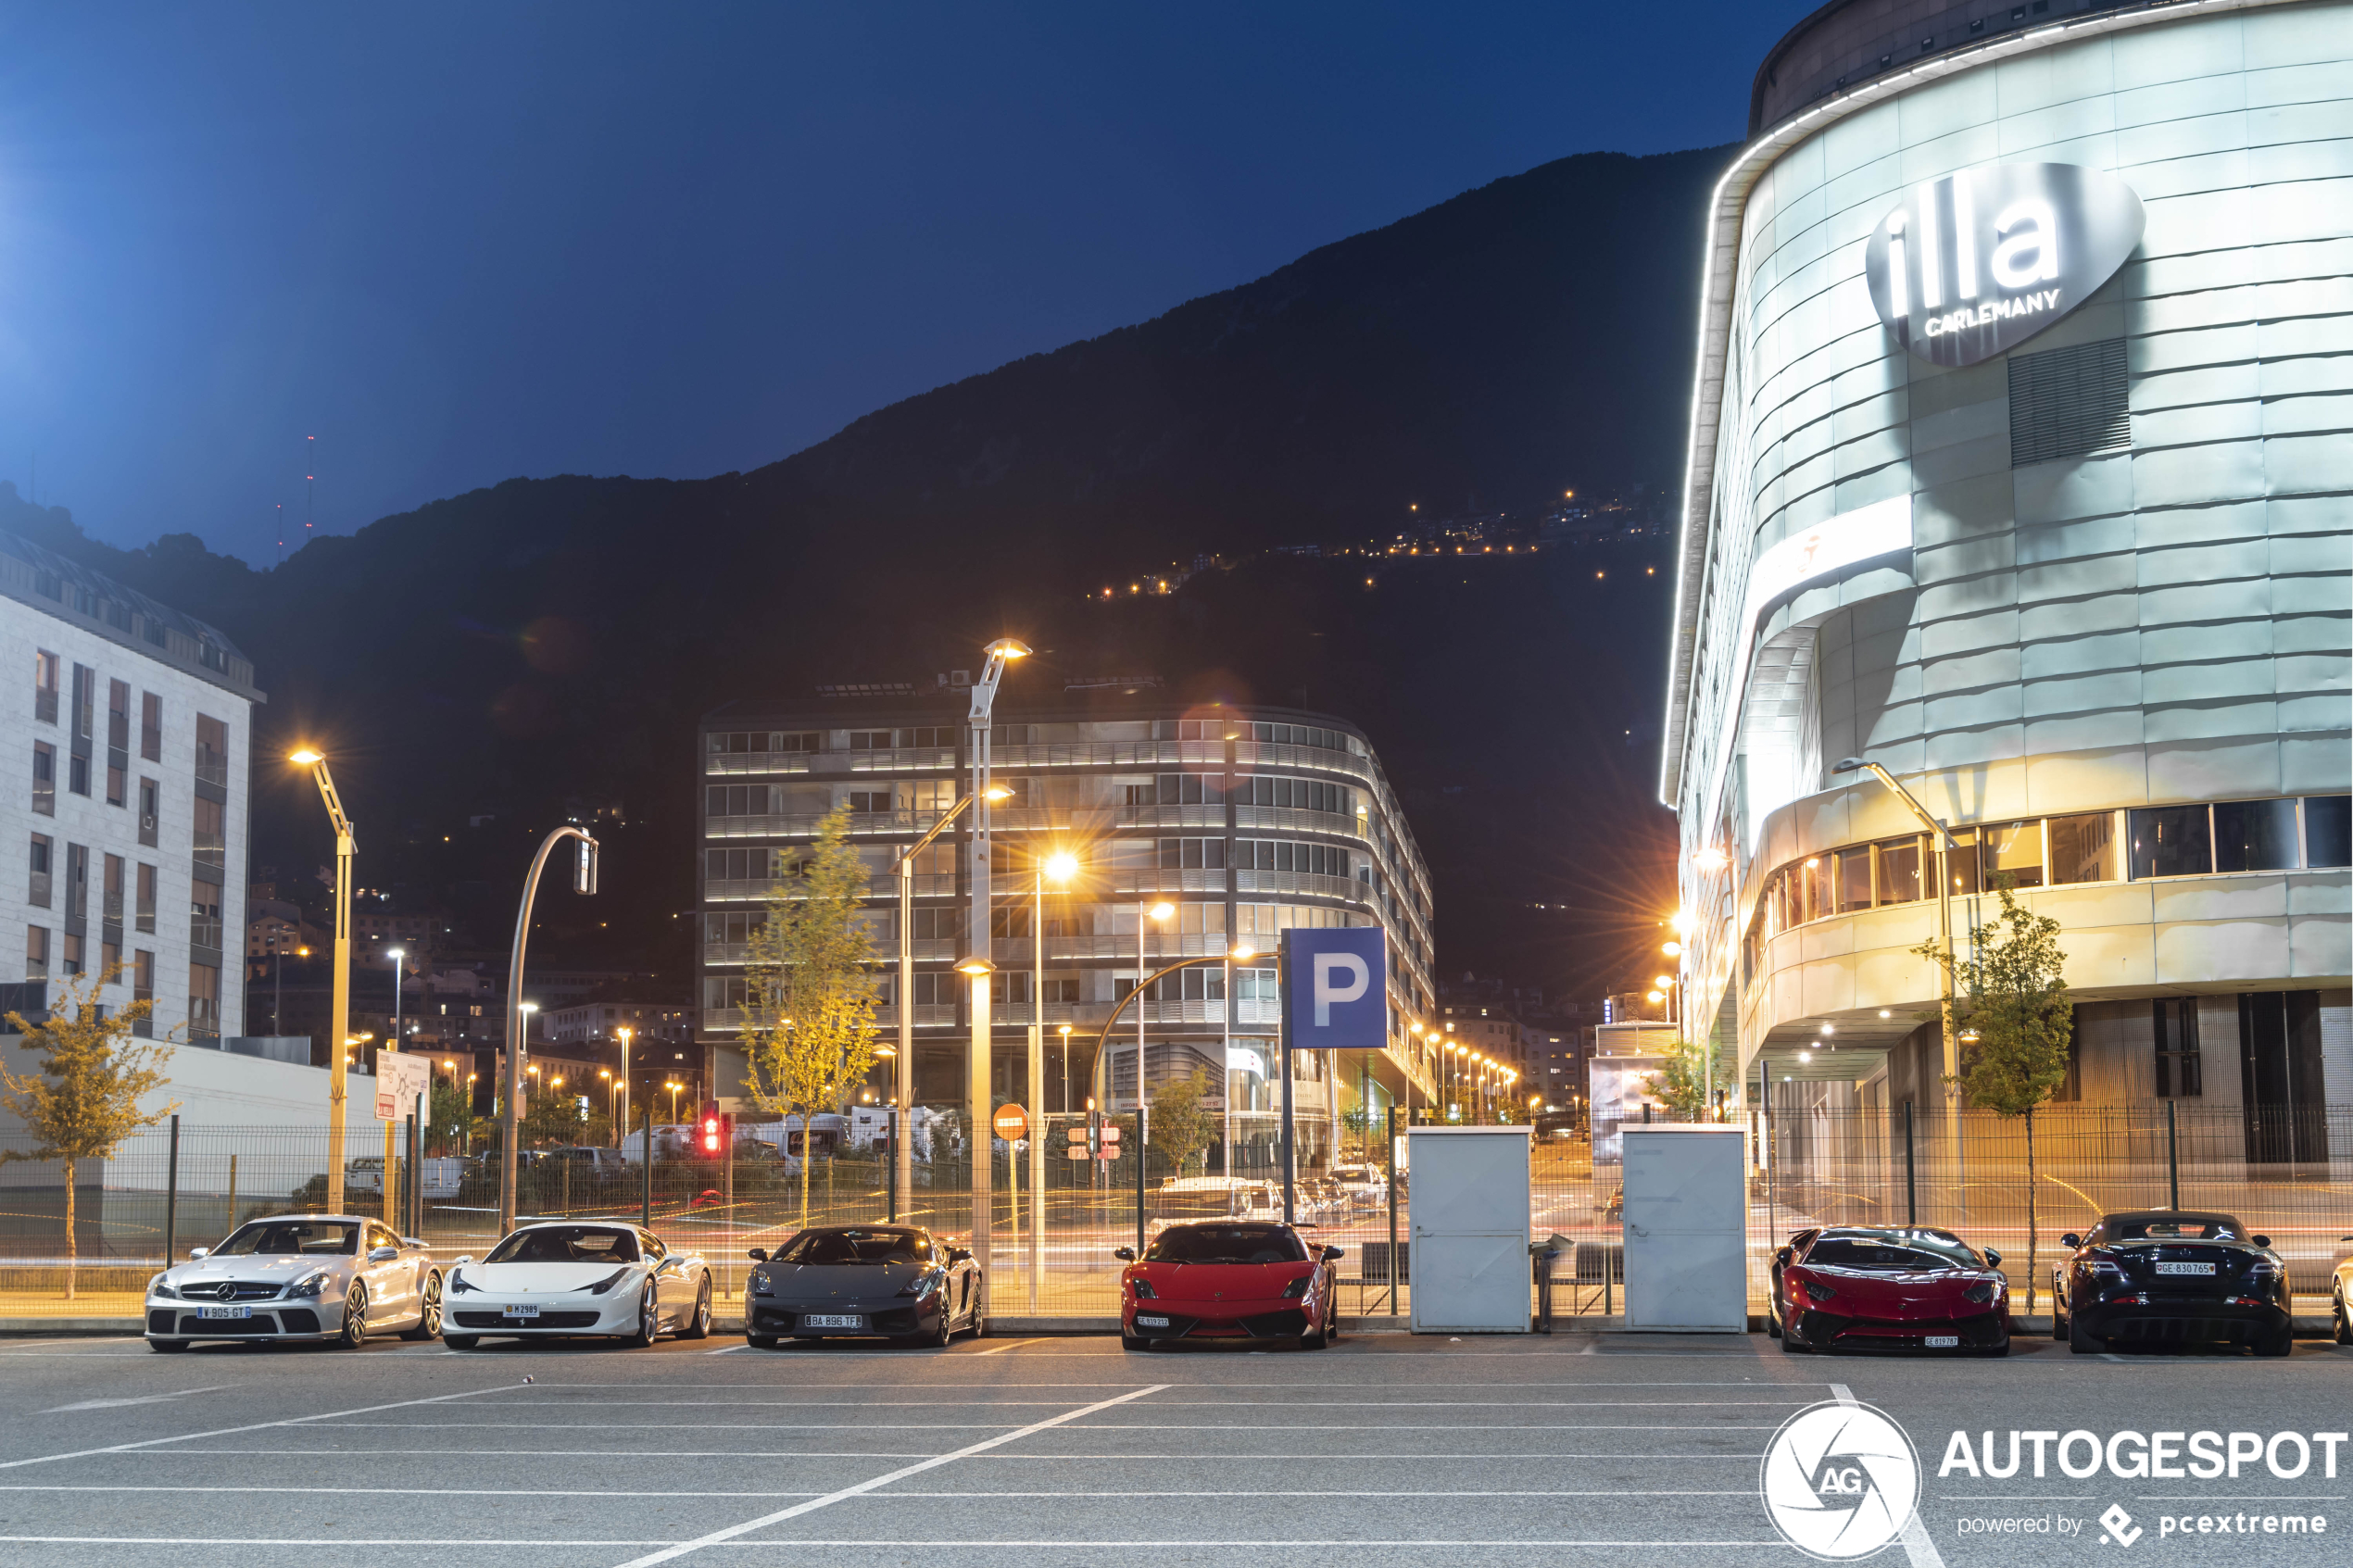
x=711, y=1133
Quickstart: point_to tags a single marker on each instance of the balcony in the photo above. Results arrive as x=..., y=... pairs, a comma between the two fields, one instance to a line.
x=759, y=889
x=804, y=824
x=1291, y=819
x=1130, y=881
x=212, y=767
x=758, y=761
x=1304, y=883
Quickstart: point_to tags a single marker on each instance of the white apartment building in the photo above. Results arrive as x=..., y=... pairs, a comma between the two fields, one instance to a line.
x=131, y=724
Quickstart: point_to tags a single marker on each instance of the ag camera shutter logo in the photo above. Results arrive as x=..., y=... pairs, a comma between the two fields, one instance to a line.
x=1840, y=1481
x=1969, y=266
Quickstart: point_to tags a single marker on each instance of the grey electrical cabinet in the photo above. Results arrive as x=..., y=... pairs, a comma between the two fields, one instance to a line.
x=1685, y=1228
x=1469, y=1212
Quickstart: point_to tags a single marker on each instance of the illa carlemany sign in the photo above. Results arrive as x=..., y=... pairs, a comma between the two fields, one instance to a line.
x=1975, y=263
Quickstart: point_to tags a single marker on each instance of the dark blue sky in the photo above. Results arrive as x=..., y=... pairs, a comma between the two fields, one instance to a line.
x=675, y=239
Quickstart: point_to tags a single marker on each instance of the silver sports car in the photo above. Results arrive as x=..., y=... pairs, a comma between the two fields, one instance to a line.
x=298, y=1276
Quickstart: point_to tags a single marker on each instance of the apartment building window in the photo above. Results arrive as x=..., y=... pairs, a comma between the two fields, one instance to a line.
x=2255, y=835
x=2179, y=1074
x=212, y=751
x=1185, y=789
x=936, y=925
x=85, y=702
x=1900, y=880
x=143, y=989
x=36, y=952
x=2171, y=841
x=1203, y=985
x=37, y=895
x=938, y=735
x=1195, y=853
x=112, y=888
x=144, y=911
x=45, y=688
x=1276, y=855
x=746, y=800
x=1301, y=795
x=2083, y=848
x=109, y=964
x=204, y=1001
x=151, y=726
x=212, y=835
x=204, y=912
x=742, y=742
x=738, y=865
x=77, y=882
x=119, y=714
x=116, y=785
x=72, y=956
x=733, y=928
x=78, y=773
x=150, y=811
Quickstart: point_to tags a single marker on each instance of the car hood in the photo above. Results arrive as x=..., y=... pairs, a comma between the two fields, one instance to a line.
x=1872, y=1294
x=841, y=1282
x=1229, y=1282
x=537, y=1279
x=264, y=1266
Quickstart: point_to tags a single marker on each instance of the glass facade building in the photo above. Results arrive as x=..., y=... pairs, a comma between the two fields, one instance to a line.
x=1243, y=821
x=2064, y=549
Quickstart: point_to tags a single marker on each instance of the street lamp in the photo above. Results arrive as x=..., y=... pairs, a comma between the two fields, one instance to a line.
x=1242, y=954
x=979, y=1068
x=583, y=880
x=398, y=957
x=674, y=1087
x=1062, y=865
x=627, y=1035
x=339, y=1024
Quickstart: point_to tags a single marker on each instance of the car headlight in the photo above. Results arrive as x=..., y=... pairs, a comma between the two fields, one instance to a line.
x=763, y=1285
x=156, y=1286
x=922, y=1288
x=1982, y=1291
x=1296, y=1289
x=310, y=1285
x=1144, y=1291
x=607, y=1283
x=1817, y=1290
x=460, y=1284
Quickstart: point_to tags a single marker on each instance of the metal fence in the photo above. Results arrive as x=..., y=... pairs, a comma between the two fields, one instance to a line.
x=1966, y=1170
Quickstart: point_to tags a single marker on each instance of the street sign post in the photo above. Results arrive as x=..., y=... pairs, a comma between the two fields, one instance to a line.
x=1011, y=1122
x=1335, y=998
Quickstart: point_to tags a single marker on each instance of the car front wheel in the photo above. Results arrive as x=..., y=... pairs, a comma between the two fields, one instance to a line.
x=649, y=1328
x=2081, y=1341
x=461, y=1341
x=2344, y=1318
x=355, y=1319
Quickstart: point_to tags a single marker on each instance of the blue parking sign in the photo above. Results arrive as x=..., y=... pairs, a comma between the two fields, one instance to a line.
x=1336, y=993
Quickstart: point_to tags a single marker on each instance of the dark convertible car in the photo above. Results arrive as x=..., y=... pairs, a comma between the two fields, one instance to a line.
x=1856, y=1288
x=893, y=1281
x=2162, y=1278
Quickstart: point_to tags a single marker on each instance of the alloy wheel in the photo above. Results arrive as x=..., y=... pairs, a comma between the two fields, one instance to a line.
x=355, y=1318
x=429, y=1317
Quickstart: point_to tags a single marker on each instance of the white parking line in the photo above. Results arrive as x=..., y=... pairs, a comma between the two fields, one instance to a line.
x=140, y=1400
x=250, y=1426
x=1918, y=1549
x=1009, y=1345
x=735, y=1531
x=866, y=1543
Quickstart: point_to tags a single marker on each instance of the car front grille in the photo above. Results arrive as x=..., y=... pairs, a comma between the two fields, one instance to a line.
x=544, y=1319
x=1277, y=1325
x=2178, y=1331
x=191, y=1324
x=1981, y=1331
x=159, y=1322
x=228, y=1290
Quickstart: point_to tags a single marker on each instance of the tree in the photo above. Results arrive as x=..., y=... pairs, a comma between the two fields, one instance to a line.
x=1181, y=1124
x=451, y=1109
x=2011, y=1011
x=85, y=1102
x=1683, y=1085
x=552, y=1117
x=808, y=1008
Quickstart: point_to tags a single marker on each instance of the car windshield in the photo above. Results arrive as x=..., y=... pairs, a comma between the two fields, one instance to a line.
x=857, y=1246
x=567, y=1244
x=1226, y=1244
x=2175, y=1227
x=282, y=1237
x=1874, y=1254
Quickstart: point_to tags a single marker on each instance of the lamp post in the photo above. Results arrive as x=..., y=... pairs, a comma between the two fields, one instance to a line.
x=979, y=1076
x=399, y=961
x=1065, y=1032
x=339, y=1024
x=1948, y=848
x=625, y=1032
x=518, y=1011
x=1060, y=866
x=1161, y=911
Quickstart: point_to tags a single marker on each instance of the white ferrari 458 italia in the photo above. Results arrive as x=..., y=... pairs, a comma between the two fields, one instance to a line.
x=578, y=1277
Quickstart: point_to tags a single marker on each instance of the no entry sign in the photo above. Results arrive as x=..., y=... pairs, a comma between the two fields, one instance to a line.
x=1011, y=1122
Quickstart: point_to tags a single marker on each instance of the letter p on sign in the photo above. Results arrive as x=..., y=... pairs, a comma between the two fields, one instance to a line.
x=1326, y=992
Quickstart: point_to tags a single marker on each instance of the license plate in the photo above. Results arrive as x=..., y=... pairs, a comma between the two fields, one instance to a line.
x=835, y=1320
x=527, y=1310
x=1144, y=1321
x=225, y=1312
x=1944, y=1342
x=2185, y=1268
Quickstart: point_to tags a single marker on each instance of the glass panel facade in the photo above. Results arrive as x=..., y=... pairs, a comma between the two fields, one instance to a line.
x=2255, y=835
x=2171, y=841
x=1899, y=871
x=2014, y=850
x=2328, y=830
x=2083, y=848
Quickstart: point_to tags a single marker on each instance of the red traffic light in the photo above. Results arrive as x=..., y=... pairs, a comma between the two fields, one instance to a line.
x=713, y=1129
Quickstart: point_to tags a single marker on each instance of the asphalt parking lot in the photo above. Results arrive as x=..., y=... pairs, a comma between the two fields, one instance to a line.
x=1383, y=1450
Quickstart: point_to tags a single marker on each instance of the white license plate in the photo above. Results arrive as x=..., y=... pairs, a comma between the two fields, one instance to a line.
x=225, y=1312
x=527, y=1310
x=1144, y=1321
x=2185, y=1268
x=834, y=1320
x=1944, y=1342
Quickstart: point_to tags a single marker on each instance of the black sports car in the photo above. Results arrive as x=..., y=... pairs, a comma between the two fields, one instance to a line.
x=835, y=1281
x=2162, y=1278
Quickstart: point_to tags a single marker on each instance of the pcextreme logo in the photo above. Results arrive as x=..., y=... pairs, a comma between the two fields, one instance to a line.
x=1840, y=1481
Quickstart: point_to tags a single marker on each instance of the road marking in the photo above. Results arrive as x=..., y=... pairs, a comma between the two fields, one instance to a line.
x=1009, y=1345
x=868, y=1543
x=727, y=1350
x=636, y=1456
x=143, y=1399
x=733, y=1531
x=1918, y=1549
x=610, y=1492
x=250, y=1426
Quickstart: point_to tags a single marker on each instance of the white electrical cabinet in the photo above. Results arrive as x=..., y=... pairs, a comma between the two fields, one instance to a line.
x=1685, y=1228
x=1470, y=1208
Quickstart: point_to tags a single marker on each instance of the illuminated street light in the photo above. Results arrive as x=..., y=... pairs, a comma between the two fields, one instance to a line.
x=339, y=1022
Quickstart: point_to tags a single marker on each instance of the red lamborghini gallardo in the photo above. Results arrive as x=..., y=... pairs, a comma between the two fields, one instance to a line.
x=1232, y=1280
x=1850, y=1288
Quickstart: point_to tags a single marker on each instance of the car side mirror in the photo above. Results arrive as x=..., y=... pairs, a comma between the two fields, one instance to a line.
x=2071, y=1239
x=2260, y=1240
x=410, y=1241
x=757, y=1254
x=1992, y=1259
x=1331, y=1254
x=960, y=1255
x=196, y=1252
x=467, y=1258
x=1124, y=1254
x=383, y=1254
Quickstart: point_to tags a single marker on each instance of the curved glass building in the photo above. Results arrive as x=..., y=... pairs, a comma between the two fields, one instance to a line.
x=2019, y=467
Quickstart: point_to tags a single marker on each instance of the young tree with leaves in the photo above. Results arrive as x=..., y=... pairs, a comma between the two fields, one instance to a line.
x=84, y=1104
x=1181, y=1123
x=2013, y=1000
x=811, y=992
x=1684, y=1083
